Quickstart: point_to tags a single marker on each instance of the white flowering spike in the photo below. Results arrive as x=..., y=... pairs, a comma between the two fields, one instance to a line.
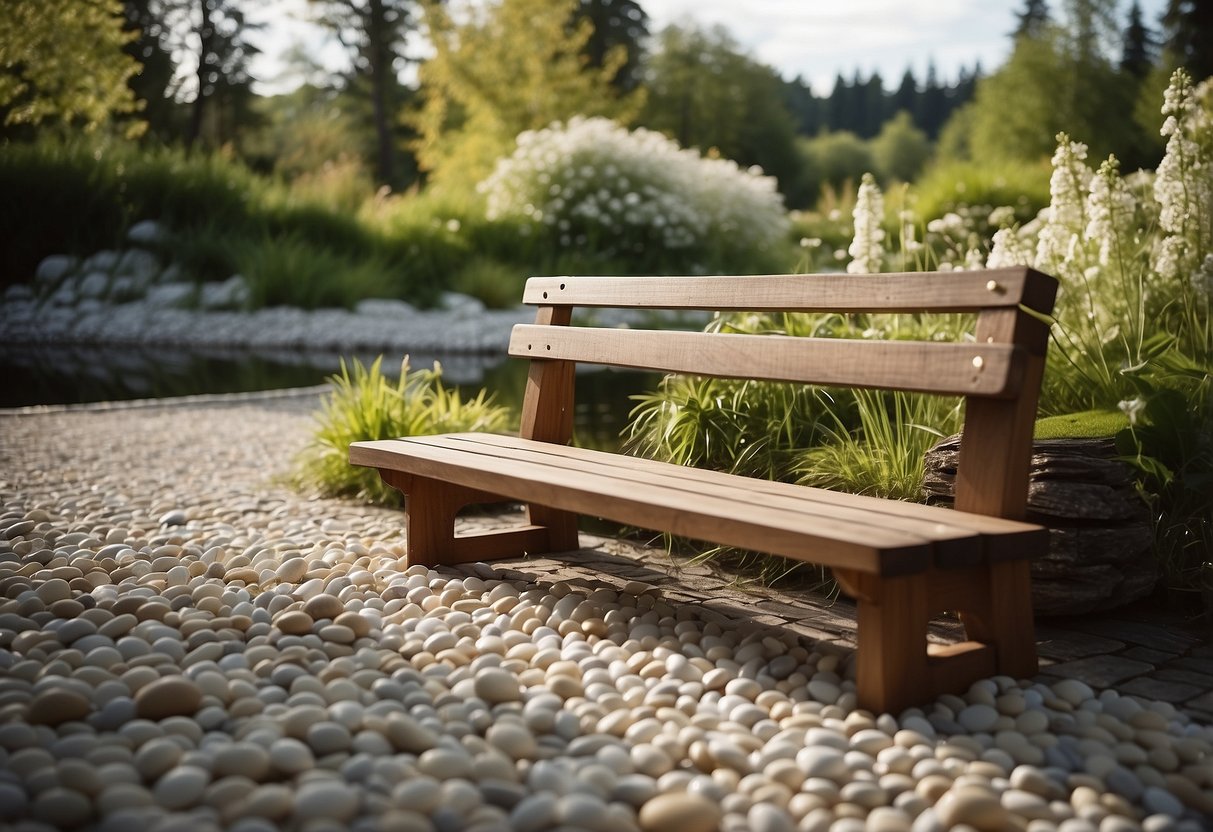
x=1010, y=247
x=867, y=247
x=1183, y=184
x=1065, y=218
x=1110, y=211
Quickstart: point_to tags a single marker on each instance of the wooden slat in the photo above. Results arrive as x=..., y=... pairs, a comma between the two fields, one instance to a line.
x=1000, y=539
x=961, y=546
x=907, y=292
x=957, y=369
x=830, y=542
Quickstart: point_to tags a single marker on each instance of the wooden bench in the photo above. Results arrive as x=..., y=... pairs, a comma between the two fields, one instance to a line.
x=902, y=562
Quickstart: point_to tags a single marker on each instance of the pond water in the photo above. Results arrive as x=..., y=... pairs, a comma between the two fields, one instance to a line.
x=44, y=375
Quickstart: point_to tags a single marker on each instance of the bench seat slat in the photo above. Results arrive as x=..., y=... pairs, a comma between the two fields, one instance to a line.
x=909, y=292
x=982, y=536
x=606, y=493
x=945, y=368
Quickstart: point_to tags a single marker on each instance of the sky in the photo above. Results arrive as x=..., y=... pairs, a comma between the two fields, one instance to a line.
x=813, y=39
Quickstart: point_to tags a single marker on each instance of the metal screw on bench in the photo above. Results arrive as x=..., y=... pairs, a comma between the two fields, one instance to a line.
x=993, y=286
x=978, y=361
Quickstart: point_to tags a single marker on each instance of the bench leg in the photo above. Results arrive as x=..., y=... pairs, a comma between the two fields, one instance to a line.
x=430, y=510
x=896, y=668
x=892, y=669
x=1005, y=620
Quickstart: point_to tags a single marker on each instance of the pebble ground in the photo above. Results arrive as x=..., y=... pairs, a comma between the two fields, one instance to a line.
x=186, y=644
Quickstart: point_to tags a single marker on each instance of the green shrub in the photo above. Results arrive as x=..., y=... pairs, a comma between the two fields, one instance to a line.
x=59, y=200
x=294, y=271
x=365, y=405
x=948, y=187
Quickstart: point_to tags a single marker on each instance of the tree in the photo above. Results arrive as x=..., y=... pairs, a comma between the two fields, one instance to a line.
x=514, y=65
x=901, y=150
x=374, y=32
x=906, y=95
x=213, y=35
x=1033, y=20
x=63, y=60
x=1137, y=54
x=618, y=24
x=153, y=83
x=1188, y=25
x=705, y=93
x=933, y=107
x=807, y=109
x=1050, y=84
x=836, y=159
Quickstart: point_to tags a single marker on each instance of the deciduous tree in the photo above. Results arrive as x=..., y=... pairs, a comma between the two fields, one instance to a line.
x=706, y=93
x=63, y=61
x=513, y=65
x=374, y=34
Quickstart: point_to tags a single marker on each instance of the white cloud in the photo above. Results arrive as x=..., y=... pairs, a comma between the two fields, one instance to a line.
x=816, y=39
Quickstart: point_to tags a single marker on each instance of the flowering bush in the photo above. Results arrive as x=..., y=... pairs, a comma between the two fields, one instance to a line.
x=634, y=194
x=1131, y=328
x=1134, y=256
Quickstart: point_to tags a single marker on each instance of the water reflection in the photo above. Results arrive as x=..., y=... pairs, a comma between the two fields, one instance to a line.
x=44, y=375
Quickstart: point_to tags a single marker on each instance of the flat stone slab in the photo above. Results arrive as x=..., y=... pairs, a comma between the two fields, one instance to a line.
x=1149, y=654
x=1101, y=671
x=1135, y=632
x=1190, y=677
x=1195, y=663
x=1173, y=692
x=1068, y=645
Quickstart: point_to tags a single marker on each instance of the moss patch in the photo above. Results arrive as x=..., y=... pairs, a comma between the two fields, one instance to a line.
x=1088, y=424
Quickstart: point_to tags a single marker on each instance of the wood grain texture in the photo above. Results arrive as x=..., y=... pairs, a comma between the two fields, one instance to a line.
x=959, y=539
x=907, y=292
x=727, y=518
x=547, y=415
x=942, y=368
x=903, y=562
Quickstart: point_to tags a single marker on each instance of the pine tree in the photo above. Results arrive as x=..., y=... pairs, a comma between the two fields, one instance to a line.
x=1137, y=54
x=215, y=33
x=906, y=95
x=153, y=83
x=374, y=32
x=1188, y=25
x=618, y=24
x=1033, y=20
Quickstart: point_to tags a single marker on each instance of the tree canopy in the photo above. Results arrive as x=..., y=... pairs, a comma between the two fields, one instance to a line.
x=514, y=65
x=63, y=61
x=705, y=93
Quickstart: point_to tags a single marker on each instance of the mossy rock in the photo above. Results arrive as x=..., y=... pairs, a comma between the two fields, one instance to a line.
x=1090, y=424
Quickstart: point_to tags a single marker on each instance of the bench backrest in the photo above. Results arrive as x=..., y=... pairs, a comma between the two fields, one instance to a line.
x=998, y=373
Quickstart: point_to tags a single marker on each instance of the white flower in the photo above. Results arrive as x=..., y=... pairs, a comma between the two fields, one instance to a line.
x=1065, y=217
x=1132, y=408
x=1010, y=248
x=603, y=180
x=867, y=247
x=1110, y=209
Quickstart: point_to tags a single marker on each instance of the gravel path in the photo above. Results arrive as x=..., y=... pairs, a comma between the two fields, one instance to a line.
x=187, y=644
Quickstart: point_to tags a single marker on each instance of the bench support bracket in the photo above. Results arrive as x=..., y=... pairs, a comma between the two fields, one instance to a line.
x=897, y=668
x=430, y=524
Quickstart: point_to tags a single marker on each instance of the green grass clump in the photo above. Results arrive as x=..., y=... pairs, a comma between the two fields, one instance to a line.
x=364, y=404
x=883, y=455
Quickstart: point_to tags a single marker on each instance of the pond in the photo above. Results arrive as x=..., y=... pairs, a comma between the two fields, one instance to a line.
x=50, y=375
